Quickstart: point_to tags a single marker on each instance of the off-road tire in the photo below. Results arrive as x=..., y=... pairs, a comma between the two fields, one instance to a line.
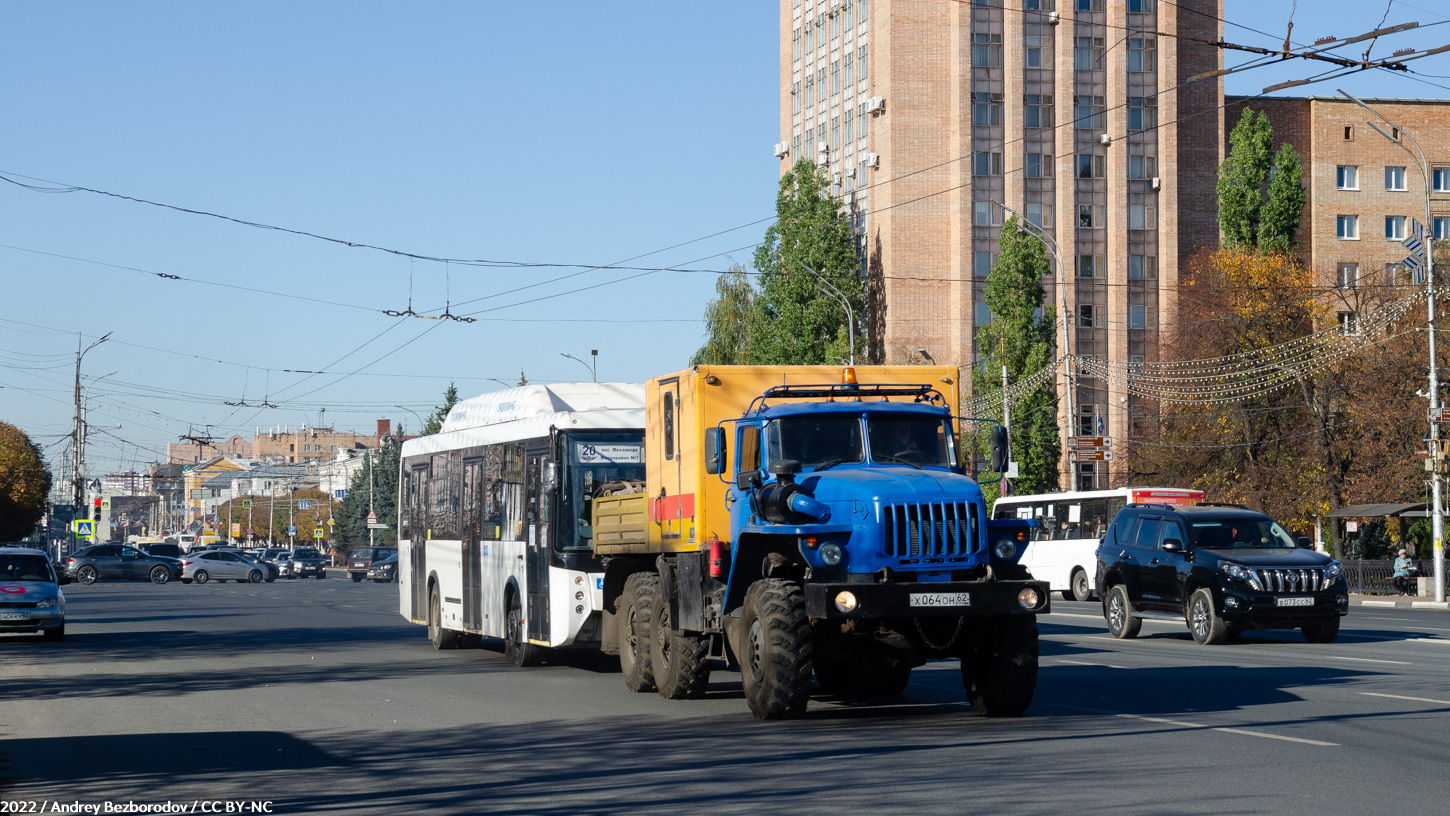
x=1082, y=588
x=440, y=638
x=1204, y=623
x=160, y=575
x=679, y=660
x=999, y=665
x=516, y=645
x=635, y=609
x=1119, y=614
x=1324, y=631
x=776, y=657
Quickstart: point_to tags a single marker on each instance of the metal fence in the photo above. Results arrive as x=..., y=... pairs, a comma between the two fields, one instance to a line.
x=1371, y=577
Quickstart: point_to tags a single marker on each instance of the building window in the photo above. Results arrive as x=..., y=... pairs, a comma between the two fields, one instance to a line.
x=810, y=39
x=1037, y=110
x=835, y=26
x=847, y=24
x=986, y=109
x=1142, y=113
x=861, y=63
x=1137, y=317
x=836, y=77
x=1039, y=165
x=1037, y=5
x=983, y=314
x=1141, y=6
x=1441, y=226
x=985, y=214
x=981, y=264
x=1088, y=5
x=1086, y=314
x=847, y=71
x=986, y=50
x=1348, y=323
x=1087, y=53
x=1440, y=179
x=810, y=90
x=795, y=45
x=1039, y=51
x=1394, y=228
x=1142, y=168
x=850, y=129
x=835, y=132
x=1346, y=177
x=1348, y=228
x=1142, y=217
x=1348, y=275
x=1394, y=179
x=795, y=98
x=1088, y=165
x=986, y=164
x=1085, y=266
x=1090, y=216
x=1088, y=112
x=1142, y=54
x=1142, y=267
x=1039, y=214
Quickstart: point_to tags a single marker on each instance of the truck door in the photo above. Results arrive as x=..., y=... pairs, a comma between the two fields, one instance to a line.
x=668, y=507
x=539, y=509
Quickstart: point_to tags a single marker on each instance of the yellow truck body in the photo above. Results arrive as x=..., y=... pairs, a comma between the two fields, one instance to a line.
x=683, y=507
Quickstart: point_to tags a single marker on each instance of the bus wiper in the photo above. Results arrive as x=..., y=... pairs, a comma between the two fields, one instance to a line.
x=899, y=461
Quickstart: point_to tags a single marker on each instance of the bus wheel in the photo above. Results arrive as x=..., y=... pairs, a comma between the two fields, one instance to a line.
x=440, y=637
x=999, y=666
x=679, y=659
x=635, y=610
x=776, y=658
x=1081, y=588
x=516, y=645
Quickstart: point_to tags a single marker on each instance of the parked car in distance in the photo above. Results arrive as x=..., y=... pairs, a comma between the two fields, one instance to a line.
x=1220, y=569
x=308, y=561
x=221, y=566
x=33, y=601
x=385, y=571
x=269, y=569
x=120, y=561
x=162, y=548
x=360, y=562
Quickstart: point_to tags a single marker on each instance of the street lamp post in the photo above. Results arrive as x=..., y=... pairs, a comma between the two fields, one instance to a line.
x=77, y=464
x=421, y=423
x=826, y=286
x=593, y=369
x=1067, y=327
x=1436, y=481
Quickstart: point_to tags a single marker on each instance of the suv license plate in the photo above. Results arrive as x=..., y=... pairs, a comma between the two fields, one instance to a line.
x=940, y=599
x=14, y=616
x=1293, y=602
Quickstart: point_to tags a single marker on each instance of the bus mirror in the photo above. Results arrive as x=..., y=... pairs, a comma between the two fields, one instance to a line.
x=551, y=475
x=714, y=450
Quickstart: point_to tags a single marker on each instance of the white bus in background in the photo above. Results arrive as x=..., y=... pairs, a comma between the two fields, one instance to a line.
x=1064, y=546
x=494, y=533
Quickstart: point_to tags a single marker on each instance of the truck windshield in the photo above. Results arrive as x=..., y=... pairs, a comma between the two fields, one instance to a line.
x=814, y=441
x=597, y=465
x=912, y=440
x=1236, y=534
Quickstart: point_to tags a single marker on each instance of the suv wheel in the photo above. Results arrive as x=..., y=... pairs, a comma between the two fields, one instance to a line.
x=1121, y=623
x=1205, y=624
x=87, y=574
x=1322, y=632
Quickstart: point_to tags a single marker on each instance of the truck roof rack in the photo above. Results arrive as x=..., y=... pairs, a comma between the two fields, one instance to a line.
x=921, y=393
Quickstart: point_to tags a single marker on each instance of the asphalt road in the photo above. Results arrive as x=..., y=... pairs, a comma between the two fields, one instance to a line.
x=317, y=697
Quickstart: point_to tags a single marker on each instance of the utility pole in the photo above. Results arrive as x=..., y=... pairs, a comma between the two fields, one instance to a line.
x=1437, y=480
x=291, y=517
x=370, y=498
x=79, y=438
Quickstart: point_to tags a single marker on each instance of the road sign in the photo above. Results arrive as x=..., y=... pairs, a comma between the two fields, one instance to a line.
x=331, y=523
x=319, y=533
x=84, y=529
x=249, y=532
x=1004, y=487
x=246, y=504
x=372, y=515
x=1089, y=442
x=105, y=504
x=236, y=529
x=1441, y=414
x=291, y=530
x=1090, y=456
x=373, y=525
x=341, y=494
x=304, y=505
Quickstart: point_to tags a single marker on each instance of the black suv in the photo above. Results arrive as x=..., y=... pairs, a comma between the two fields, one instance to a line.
x=1219, y=568
x=363, y=559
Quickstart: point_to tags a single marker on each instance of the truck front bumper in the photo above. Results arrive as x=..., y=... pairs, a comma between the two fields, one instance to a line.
x=923, y=599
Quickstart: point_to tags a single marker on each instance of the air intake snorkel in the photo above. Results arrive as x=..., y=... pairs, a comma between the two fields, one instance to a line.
x=786, y=502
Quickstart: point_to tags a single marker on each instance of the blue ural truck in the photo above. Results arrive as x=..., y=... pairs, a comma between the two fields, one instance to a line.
x=812, y=524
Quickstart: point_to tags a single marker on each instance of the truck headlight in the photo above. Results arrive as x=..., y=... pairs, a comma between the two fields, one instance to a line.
x=846, y=601
x=1005, y=549
x=1028, y=598
x=1242, y=574
x=832, y=554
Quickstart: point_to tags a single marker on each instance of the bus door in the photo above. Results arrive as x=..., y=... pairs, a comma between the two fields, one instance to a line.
x=537, y=517
x=471, y=535
x=418, y=531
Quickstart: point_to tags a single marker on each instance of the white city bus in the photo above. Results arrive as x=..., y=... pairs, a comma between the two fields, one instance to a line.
x=1063, y=551
x=494, y=514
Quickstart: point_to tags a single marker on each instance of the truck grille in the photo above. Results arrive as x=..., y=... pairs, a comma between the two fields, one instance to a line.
x=1291, y=580
x=924, y=530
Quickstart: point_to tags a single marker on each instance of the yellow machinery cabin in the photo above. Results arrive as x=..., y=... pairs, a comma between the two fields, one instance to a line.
x=683, y=507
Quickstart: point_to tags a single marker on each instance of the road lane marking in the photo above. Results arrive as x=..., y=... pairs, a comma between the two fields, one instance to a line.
x=1402, y=697
x=1426, y=640
x=1243, y=731
x=1074, y=615
x=1369, y=660
x=1085, y=663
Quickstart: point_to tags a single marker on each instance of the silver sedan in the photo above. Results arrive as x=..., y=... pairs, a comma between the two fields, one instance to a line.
x=222, y=566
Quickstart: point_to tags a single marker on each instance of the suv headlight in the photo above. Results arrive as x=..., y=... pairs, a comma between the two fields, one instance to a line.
x=45, y=603
x=1242, y=574
x=1333, y=572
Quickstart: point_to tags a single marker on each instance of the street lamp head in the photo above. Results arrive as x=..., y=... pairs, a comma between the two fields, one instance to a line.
x=925, y=355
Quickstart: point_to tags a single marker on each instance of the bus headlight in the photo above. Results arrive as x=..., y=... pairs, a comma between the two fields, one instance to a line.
x=1005, y=549
x=832, y=554
x=846, y=601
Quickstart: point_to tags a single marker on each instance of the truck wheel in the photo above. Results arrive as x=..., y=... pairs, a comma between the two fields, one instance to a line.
x=776, y=658
x=679, y=659
x=516, y=645
x=1324, y=631
x=440, y=638
x=1121, y=623
x=999, y=666
x=1082, y=589
x=635, y=608
x=881, y=676
x=1205, y=624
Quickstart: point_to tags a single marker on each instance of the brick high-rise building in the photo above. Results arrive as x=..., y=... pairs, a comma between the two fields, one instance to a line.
x=1076, y=114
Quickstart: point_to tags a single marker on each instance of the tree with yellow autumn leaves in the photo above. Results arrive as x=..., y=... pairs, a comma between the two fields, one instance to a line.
x=24, y=483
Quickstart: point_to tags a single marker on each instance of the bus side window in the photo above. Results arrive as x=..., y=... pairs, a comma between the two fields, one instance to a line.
x=472, y=468
x=408, y=487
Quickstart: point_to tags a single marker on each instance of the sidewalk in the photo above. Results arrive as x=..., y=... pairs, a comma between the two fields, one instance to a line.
x=1397, y=602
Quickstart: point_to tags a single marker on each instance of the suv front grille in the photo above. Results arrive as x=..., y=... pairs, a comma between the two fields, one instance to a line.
x=929, y=529
x=1291, y=580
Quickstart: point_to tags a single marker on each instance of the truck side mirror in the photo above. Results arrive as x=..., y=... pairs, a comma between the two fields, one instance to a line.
x=714, y=450
x=999, y=455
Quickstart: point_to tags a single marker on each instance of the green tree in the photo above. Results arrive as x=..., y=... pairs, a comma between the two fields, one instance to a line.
x=24, y=483
x=1241, y=179
x=435, y=419
x=797, y=320
x=727, y=320
x=1279, y=219
x=1023, y=340
x=351, y=513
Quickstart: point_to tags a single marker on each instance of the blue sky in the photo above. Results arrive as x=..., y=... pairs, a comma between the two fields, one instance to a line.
x=575, y=133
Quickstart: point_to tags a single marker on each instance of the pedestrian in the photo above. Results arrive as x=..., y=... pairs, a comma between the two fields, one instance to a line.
x=1401, y=577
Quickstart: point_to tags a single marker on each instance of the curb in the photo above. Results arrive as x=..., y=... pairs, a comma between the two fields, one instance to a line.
x=1431, y=605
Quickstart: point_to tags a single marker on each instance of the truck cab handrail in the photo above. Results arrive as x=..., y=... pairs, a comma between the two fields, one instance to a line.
x=922, y=393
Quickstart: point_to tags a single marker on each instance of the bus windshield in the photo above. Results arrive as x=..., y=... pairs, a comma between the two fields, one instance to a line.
x=597, y=465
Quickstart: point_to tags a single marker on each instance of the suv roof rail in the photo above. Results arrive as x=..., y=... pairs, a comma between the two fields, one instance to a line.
x=1225, y=504
x=1154, y=505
